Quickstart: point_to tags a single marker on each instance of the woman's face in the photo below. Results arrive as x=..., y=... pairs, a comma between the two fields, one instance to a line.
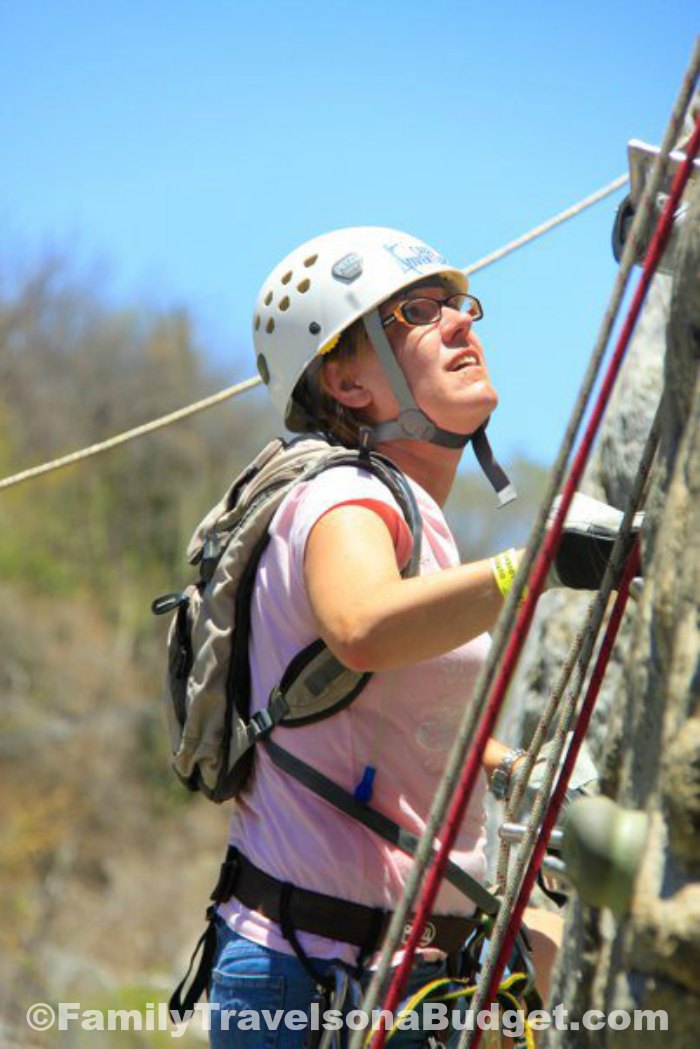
x=444, y=365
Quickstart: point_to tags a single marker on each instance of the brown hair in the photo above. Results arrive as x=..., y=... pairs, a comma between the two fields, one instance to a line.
x=314, y=398
x=323, y=411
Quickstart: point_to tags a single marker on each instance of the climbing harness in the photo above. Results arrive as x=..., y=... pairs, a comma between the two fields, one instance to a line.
x=298, y=910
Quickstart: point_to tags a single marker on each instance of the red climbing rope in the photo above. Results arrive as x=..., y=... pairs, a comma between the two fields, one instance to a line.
x=541, y=566
x=556, y=801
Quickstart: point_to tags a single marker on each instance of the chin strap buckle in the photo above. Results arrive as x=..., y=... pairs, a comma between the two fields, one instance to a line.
x=366, y=441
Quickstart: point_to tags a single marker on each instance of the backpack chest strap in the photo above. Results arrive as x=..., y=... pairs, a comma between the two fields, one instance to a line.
x=375, y=821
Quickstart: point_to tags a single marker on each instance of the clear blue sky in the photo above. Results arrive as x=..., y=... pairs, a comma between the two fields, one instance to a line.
x=191, y=144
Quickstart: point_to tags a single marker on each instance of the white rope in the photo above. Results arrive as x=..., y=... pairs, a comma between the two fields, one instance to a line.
x=557, y=220
x=242, y=387
x=130, y=435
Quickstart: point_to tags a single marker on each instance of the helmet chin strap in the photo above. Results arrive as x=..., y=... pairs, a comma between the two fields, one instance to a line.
x=412, y=424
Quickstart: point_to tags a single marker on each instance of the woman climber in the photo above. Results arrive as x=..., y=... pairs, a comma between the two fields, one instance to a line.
x=368, y=336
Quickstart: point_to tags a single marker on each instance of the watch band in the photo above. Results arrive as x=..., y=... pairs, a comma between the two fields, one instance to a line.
x=500, y=778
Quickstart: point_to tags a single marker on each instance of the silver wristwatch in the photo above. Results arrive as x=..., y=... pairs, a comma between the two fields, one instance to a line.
x=500, y=778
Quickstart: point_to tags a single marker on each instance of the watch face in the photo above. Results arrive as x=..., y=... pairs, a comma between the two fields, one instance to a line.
x=499, y=780
x=500, y=777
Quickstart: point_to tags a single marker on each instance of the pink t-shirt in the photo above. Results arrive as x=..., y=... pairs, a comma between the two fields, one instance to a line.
x=403, y=723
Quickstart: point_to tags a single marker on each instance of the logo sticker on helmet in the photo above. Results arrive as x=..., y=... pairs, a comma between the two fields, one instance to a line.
x=412, y=257
x=349, y=268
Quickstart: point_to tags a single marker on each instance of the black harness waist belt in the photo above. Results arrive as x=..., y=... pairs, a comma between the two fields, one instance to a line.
x=329, y=916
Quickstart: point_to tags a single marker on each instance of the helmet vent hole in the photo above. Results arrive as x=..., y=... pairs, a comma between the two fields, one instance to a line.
x=310, y=261
x=268, y=298
x=287, y=277
x=284, y=303
x=304, y=285
x=257, y=322
x=263, y=369
x=270, y=326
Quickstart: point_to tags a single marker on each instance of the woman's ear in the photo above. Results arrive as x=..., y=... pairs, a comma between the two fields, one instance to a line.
x=343, y=380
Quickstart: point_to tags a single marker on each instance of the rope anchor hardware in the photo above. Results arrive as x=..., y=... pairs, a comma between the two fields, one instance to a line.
x=641, y=159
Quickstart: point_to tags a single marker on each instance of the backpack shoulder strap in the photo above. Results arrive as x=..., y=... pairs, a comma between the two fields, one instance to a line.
x=316, y=685
x=393, y=478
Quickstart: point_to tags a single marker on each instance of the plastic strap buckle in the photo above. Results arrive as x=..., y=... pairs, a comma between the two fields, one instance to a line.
x=228, y=876
x=261, y=723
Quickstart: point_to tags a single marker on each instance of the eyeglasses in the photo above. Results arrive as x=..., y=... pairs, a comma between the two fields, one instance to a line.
x=419, y=311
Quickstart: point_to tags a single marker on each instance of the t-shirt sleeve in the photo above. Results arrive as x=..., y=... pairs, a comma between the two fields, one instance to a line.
x=343, y=486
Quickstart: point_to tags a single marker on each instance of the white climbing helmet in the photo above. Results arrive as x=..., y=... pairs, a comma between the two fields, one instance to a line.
x=323, y=287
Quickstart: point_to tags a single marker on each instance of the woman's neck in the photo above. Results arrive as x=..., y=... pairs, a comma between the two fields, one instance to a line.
x=431, y=466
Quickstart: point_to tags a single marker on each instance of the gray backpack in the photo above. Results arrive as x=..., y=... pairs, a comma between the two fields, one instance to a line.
x=212, y=733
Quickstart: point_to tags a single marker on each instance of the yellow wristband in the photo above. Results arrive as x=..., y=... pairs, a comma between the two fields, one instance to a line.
x=505, y=568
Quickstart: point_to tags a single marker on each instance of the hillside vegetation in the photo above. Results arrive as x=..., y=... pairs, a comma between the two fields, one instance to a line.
x=106, y=862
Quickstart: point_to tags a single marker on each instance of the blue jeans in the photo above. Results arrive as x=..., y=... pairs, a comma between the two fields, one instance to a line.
x=247, y=976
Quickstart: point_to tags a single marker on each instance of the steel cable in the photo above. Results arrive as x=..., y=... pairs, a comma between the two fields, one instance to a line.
x=248, y=384
x=579, y=659
x=545, y=812
x=514, y=918
x=479, y=718
x=574, y=657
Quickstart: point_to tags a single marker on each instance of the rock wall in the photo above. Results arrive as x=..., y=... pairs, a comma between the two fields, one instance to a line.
x=647, y=727
x=609, y=477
